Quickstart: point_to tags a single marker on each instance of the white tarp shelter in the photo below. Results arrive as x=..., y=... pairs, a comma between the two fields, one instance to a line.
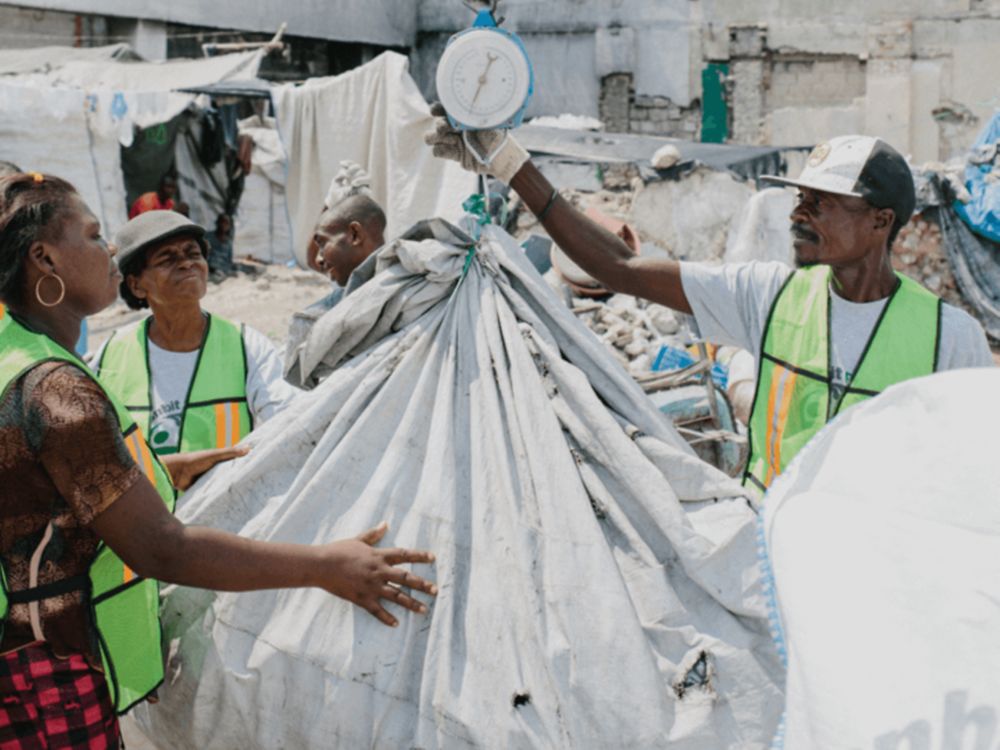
x=882, y=538
x=66, y=112
x=598, y=582
x=376, y=116
x=262, y=228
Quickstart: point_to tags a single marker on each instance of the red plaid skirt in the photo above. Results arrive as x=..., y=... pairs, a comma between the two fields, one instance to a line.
x=48, y=703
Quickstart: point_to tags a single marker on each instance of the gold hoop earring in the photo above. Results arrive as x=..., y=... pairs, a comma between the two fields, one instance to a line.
x=62, y=290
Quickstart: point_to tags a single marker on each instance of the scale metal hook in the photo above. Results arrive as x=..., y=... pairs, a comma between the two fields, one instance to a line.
x=476, y=8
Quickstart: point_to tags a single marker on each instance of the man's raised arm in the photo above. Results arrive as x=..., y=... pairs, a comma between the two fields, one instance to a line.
x=597, y=251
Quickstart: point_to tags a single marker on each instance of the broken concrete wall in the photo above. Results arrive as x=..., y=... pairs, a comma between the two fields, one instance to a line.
x=635, y=64
x=27, y=27
x=691, y=217
x=919, y=74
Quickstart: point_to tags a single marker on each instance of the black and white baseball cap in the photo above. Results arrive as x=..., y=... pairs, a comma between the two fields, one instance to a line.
x=861, y=166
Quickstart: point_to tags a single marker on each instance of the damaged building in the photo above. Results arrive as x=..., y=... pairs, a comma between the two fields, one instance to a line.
x=790, y=74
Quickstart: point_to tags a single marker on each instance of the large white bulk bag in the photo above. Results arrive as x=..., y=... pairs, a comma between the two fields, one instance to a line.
x=581, y=603
x=884, y=541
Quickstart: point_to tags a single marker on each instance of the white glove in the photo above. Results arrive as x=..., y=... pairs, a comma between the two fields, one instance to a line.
x=448, y=143
x=352, y=179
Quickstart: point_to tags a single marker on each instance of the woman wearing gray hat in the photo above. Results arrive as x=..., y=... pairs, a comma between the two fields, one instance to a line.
x=195, y=383
x=85, y=523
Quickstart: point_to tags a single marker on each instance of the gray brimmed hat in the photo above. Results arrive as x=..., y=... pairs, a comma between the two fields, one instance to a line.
x=862, y=166
x=150, y=228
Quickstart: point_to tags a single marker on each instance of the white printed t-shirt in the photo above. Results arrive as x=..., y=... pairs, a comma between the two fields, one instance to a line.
x=267, y=392
x=731, y=303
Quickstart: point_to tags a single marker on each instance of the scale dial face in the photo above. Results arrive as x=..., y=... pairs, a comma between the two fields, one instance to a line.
x=483, y=79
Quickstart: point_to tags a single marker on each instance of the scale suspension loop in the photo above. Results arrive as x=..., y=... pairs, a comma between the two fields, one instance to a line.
x=475, y=9
x=485, y=159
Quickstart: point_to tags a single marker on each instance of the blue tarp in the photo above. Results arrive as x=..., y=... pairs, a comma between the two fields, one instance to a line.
x=982, y=213
x=671, y=358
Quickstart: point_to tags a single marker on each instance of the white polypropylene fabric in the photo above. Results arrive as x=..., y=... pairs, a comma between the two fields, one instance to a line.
x=68, y=112
x=376, y=116
x=883, y=539
x=485, y=423
x=49, y=130
x=147, y=93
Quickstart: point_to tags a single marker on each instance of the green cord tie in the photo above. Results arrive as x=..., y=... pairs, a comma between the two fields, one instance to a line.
x=475, y=205
x=468, y=260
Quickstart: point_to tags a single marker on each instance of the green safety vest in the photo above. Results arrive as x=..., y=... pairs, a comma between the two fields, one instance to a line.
x=215, y=412
x=793, y=399
x=124, y=607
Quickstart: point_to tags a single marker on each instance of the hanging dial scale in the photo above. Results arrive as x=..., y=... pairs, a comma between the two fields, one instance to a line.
x=485, y=79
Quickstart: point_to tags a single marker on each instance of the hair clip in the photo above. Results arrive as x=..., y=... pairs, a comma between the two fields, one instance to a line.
x=37, y=176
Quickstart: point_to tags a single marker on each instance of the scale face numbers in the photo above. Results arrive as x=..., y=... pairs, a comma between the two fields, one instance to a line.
x=483, y=79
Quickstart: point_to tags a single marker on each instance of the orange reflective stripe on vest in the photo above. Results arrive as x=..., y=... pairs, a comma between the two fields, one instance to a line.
x=778, y=402
x=794, y=396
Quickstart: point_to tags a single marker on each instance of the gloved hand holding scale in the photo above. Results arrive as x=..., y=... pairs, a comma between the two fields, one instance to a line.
x=484, y=81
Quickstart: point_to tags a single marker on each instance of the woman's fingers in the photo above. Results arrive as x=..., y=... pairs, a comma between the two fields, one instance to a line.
x=376, y=610
x=400, y=555
x=402, y=577
x=403, y=599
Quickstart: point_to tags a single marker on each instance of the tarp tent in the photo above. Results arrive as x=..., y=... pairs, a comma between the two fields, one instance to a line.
x=882, y=538
x=982, y=179
x=375, y=116
x=67, y=112
x=598, y=583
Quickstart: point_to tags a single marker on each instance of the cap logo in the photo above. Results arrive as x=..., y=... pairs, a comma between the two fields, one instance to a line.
x=819, y=154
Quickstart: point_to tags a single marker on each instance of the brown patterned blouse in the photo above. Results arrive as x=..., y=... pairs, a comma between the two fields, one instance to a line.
x=62, y=461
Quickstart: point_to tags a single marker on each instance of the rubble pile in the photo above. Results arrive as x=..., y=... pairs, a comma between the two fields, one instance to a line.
x=633, y=329
x=919, y=253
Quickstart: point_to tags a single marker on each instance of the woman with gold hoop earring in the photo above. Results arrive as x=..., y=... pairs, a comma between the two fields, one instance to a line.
x=38, y=290
x=86, y=523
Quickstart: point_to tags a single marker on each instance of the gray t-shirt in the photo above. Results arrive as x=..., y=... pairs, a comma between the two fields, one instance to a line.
x=731, y=303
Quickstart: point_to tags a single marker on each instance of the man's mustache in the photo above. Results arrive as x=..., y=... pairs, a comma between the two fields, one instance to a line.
x=803, y=232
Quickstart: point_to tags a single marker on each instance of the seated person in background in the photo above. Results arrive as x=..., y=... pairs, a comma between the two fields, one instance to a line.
x=183, y=208
x=196, y=383
x=220, y=245
x=161, y=199
x=350, y=229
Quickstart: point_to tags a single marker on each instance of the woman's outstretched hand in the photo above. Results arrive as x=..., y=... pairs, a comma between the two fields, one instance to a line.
x=186, y=468
x=366, y=575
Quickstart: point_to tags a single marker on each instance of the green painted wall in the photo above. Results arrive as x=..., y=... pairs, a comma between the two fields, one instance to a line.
x=714, y=110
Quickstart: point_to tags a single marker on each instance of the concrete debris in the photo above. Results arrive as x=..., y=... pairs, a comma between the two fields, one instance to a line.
x=632, y=328
x=691, y=216
x=569, y=122
x=952, y=173
x=666, y=157
x=919, y=253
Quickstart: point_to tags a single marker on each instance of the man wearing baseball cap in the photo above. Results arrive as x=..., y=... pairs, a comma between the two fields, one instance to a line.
x=839, y=329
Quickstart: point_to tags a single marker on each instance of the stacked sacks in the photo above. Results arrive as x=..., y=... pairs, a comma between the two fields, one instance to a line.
x=598, y=583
